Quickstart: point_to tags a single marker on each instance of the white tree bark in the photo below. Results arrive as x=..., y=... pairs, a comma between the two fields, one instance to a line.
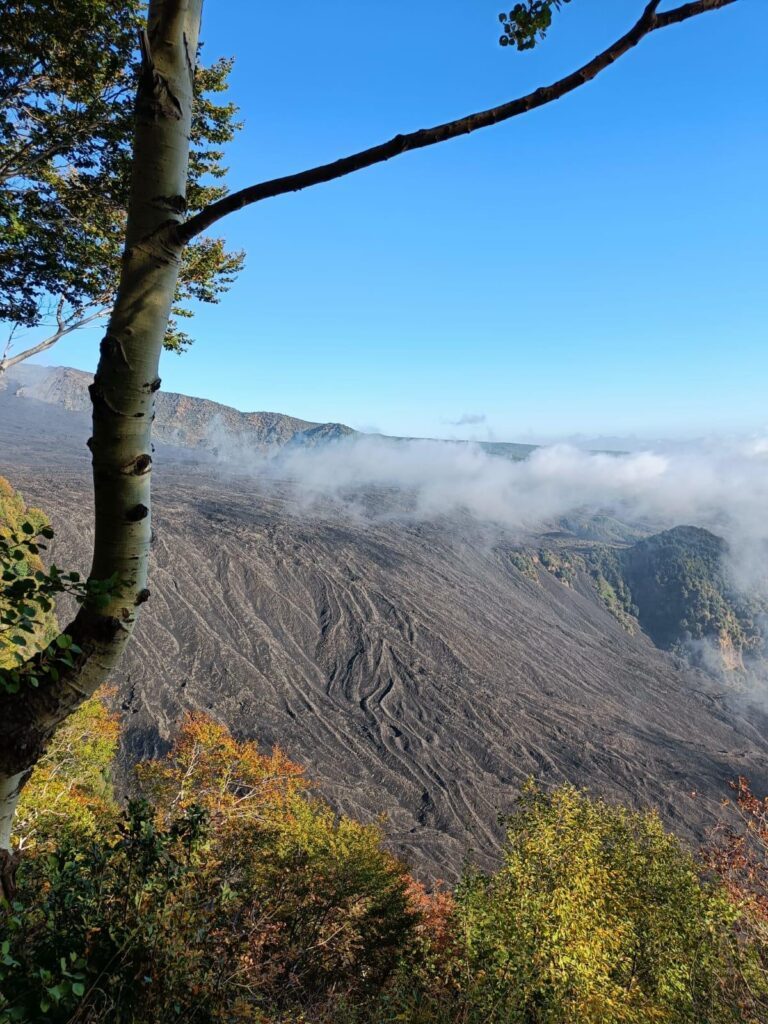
x=123, y=395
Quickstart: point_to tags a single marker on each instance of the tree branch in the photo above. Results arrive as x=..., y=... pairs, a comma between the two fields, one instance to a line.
x=691, y=10
x=649, y=21
x=64, y=327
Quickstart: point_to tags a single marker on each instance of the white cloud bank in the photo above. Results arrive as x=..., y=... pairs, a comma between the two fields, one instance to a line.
x=721, y=486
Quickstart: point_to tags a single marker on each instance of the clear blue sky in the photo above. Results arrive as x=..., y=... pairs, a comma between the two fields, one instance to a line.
x=597, y=266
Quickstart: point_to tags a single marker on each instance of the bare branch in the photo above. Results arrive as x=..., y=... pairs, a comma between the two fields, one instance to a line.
x=691, y=10
x=649, y=21
x=8, y=344
x=64, y=327
x=60, y=321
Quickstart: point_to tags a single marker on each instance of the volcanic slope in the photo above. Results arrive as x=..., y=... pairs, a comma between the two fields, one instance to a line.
x=184, y=422
x=180, y=420
x=410, y=666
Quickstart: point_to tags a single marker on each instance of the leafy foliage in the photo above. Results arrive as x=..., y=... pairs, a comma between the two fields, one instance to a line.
x=72, y=791
x=20, y=619
x=596, y=915
x=235, y=894
x=230, y=892
x=27, y=623
x=330, y=907
x=560, y=564
x=66, y=120
x=738, y=854
x=676, y=584
x=27, y=596
x=527, y=23
x=104, y=920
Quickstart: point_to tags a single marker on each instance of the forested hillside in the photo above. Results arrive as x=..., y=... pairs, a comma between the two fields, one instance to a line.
x=676, y=586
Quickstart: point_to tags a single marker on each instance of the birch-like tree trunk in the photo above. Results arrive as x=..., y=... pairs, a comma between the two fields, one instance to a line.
x=123, y=394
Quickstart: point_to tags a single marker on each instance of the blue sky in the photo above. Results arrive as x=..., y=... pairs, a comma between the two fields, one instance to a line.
x=594, y=267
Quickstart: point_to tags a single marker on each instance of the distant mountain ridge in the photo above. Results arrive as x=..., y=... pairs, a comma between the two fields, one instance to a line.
x=180, y=419
x=188, y=422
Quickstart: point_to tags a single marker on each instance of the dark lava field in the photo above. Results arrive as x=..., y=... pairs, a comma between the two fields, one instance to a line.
x=410, y=666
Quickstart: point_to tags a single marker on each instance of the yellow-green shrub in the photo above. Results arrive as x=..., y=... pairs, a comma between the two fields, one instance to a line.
x=231, y=893
x=70, y=790
x=597, y=916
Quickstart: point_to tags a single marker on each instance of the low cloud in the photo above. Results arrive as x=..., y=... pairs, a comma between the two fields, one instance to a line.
x=722, y=487
x=468, y=419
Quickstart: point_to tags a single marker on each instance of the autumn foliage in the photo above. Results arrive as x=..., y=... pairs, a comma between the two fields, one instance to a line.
x=228, y=890
x=740, y=855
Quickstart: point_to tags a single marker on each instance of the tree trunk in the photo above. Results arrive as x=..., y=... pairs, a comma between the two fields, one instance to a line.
x=123, y=394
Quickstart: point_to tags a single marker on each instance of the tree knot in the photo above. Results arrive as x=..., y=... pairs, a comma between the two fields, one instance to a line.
x=137, y=513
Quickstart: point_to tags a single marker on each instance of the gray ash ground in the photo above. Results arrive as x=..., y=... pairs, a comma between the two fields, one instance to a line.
x=409, y=666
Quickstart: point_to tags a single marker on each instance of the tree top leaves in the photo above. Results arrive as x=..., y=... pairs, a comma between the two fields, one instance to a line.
x=526, y=23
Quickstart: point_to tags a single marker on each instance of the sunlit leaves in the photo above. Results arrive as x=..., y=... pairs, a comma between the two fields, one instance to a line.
x=28, y=592
x=232, y=894
x=67, y=83
x=70, y=791
x=527, y=23
x=229, y=887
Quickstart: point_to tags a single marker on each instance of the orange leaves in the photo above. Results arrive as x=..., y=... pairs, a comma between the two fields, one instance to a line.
x=435, y=912
x=208, y=767
x=303, y=901
x=740, y=856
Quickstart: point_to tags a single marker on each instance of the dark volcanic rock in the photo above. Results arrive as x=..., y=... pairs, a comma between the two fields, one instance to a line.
x=410, y=666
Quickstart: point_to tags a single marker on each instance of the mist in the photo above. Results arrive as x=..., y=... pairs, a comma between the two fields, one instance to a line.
x=722, y=486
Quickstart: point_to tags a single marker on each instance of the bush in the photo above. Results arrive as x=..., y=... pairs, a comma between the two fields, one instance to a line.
x=229, y=892
x=106, y=936
x=327, y=908
x=235, y=893
x=597, y=916
x=71, y=794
